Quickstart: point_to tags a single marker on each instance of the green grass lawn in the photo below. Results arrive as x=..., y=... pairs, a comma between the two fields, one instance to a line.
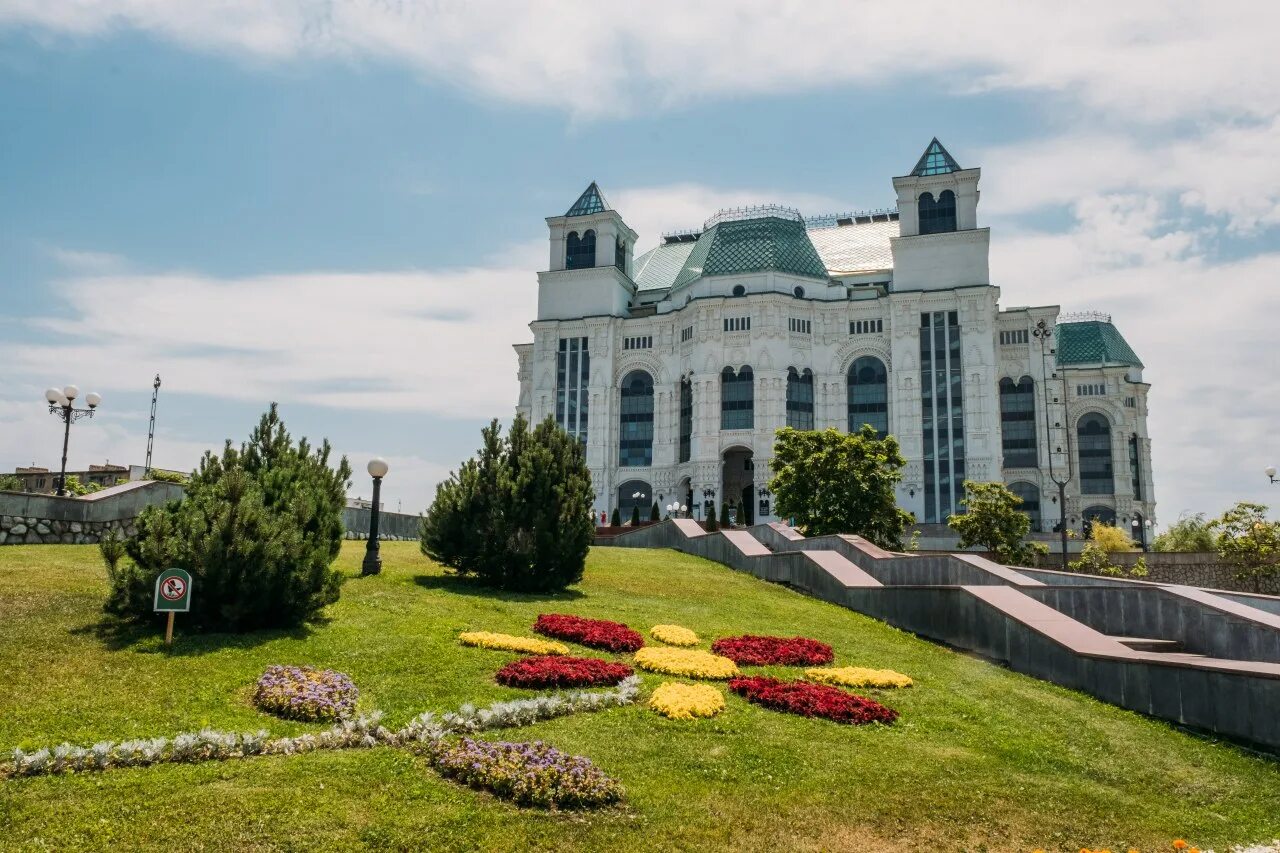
x=982, y=758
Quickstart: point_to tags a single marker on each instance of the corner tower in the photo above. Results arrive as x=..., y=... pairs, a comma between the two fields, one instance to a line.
x=940, y=244
x=590, y=264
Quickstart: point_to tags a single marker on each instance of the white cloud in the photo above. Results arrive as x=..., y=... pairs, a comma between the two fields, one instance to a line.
x=1143, y=59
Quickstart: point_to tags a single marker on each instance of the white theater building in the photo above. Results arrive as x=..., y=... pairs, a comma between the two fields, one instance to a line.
x=676, y=367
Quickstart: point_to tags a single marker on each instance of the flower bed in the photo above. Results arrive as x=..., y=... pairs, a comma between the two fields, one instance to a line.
x=595, y=633
x=691, y=663
x=528, y=774
x=812, y=700
x=763, y=651
x=511, y=643
x=547, y=671
x=673, y=635
x=304, y=693
x=686, y=701
x=857, y=676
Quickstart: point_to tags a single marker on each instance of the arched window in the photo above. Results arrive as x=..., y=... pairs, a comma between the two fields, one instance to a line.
x=686, y=420
x=1030, y=495
x=737, y=399
x=1093, y=448
x=800, y=398
x=799, y=292
x=1096, y=514
x=620, y=254
x=580, y=252
x=937, y=217
x=635, y=420
x=869, y=395
x=1018, y=422
x=635, y=494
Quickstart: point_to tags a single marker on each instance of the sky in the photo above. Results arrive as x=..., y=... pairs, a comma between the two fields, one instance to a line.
x=338, y=206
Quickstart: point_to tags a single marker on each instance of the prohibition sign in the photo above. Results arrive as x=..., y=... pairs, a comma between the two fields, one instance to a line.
x=173, y=588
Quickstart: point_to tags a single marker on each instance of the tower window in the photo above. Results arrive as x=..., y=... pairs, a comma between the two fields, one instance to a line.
x=620, y=255
x=937, y=217
x=580, y=252
x=737, y=324
x=800, y=398
x=737, y=399
x=800, y=327
x=1018, y=422
x=866, y=327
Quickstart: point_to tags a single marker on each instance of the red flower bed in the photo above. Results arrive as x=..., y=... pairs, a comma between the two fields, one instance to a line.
x=812, y=700
x=561, y=671
x=596, y=633
x=763, y=651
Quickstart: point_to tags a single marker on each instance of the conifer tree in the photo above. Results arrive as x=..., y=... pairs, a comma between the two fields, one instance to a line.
x=654, y=515
x=712, y=526
x=724, y=515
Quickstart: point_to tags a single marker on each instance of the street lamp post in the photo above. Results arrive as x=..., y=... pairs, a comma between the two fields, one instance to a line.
x=61, y=404
x=372, y=557
x=1270, y=471
x=1043, y=333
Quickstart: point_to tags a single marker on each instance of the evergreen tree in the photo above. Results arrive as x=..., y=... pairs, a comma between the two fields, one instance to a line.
x=711, y=516
x=635, y=516
x=654, y=515
x=258, y=530
x=615, y=520
x=833, y=482
x=518, y=516
x=725, y=521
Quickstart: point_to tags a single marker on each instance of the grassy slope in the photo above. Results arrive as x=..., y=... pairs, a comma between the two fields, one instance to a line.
x=982, y=758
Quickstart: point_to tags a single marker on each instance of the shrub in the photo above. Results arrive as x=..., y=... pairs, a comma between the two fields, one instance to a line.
x=712, y=524
x=690, y=663
x=518, y=516
x=724, y=515
x=615, y=520
x=857, y=676
x=510, y=643
x=812, y=700
x=635, y=516
x=686, y=701
x=528, y=774
x=594, y=633
x=162, y=476
x=654, y=515
x=764, y=651
x=544, y=672
x=10, y=483
x=111, y=547
x=304, y=693
x=258, y=531
x=673, y=635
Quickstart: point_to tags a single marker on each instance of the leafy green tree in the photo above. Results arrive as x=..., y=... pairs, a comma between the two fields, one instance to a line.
x=992, y=519
x=829, y=481
x=79, y=489
x=1095, y=557
x=1250, y=541
x=10, y=483
x=712, y=525
x=518, y=515
x=163, y=476
x=1188, y=533
x=258, y=530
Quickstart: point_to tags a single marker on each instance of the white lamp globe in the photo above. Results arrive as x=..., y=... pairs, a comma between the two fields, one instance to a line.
x=683, y=508
x=71, y=392
x=378, y=467
x=53, y=395
x=1270, y=470
x=93, y=398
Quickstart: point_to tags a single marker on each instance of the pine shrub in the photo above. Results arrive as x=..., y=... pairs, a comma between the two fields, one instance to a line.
x=258, y=531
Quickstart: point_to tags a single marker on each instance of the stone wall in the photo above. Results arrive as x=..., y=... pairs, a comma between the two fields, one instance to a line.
x=1195, y=569
x=30, y=519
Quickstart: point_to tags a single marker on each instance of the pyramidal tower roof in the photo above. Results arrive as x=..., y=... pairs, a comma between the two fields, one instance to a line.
x=591, y=201
x=934, y=161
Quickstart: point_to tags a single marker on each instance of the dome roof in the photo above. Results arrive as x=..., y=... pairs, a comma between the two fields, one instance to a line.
x=751, y=245
x=1093, y=342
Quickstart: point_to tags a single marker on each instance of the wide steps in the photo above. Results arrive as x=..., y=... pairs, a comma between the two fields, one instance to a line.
x=1149, y=644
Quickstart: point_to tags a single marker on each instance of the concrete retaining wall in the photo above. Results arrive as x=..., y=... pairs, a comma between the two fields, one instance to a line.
x=29, y=519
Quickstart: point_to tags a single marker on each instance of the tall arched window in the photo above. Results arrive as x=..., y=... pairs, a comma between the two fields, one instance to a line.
x=1093, y=448
x=1018, y=422
x=620, y=254
x=686, y=420
x=737, y=399
x=937, y=217
x=635, y=420
x=1030, y=495
x=635, y=495
x=800, y=398
x=869, y=395
x=1098, y=514
x=580, y=252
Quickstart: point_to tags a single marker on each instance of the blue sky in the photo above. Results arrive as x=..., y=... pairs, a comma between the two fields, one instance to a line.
x=340, y=206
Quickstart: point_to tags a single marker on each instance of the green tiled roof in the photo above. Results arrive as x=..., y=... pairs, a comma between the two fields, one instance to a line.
x=1093, y=342
x=751, y=245
x=591, y=201
x=935, y=161
x=657, y=268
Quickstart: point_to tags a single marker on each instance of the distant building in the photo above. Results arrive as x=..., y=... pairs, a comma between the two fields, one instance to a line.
x=42, y=481
x=676, y=367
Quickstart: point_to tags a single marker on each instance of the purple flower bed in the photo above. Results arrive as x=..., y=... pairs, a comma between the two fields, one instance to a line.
x=528, y=774
x=305, y=693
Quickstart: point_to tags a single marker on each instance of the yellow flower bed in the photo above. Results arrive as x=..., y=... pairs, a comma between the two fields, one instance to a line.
x=511, y=643
x=691, y=663
x=857, y=676
x=686, y=701
x=673, y=635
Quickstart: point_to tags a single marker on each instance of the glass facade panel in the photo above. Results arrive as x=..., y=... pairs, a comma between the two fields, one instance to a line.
x=686, y=420
x=800, y=399
x=635, y=420
x=1018, y=423
x=580, y=252
x=869, y=395
x=1135, y=466
x=573, y=367
x=937, y=217
x=1093, y=447
x=1030, y=495
x=737, y=399
x=942, y=414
